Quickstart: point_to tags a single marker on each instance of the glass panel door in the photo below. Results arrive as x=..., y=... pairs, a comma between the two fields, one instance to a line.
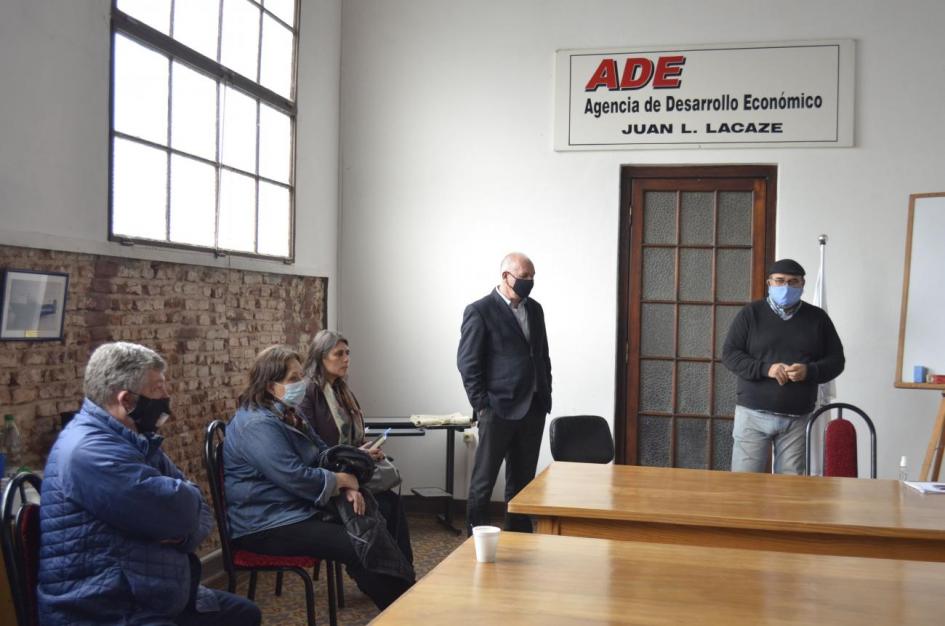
x=697, y=256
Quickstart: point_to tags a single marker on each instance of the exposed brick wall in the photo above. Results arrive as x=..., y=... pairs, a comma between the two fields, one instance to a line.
x=208, y=323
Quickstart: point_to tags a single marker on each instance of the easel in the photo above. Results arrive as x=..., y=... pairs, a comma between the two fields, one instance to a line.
x=933, y=454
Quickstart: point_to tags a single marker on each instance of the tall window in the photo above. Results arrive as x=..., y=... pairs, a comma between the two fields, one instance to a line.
x=203, y=124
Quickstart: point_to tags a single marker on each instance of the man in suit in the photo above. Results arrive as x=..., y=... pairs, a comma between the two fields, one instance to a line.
x=503, y=359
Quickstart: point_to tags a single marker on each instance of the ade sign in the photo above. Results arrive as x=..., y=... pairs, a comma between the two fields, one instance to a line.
x=732, y=95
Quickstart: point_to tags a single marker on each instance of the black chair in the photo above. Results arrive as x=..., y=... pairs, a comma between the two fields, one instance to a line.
x=20, y=539
x=235, y=559
x=581, y=439
x=839, y=450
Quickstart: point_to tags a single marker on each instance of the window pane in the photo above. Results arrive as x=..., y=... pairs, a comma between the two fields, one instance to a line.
x=695, y=212
x=659, y=273
x=275, y=144
x=140, y=91
x=193, y=112
x=276, y=68
x=659, y=221
x=237, y=212
x=240, y=46
x=196, y=23
x=658, y=327
x=284, y=9
x=154, y=13
x=653, y=443
x=193, y=201
x=273, y=220
x=139, y=188
x=692, y=442
x=238, y=144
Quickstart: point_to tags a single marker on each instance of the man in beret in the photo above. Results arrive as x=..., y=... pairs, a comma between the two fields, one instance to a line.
x=780, y=348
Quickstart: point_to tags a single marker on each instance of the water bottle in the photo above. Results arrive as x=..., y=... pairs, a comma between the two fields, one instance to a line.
x=11, y=443
x=903, y=468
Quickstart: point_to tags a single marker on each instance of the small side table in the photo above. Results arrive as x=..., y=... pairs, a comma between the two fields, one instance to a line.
x=377, y=426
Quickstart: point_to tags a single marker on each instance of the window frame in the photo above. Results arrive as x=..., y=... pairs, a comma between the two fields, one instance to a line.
x=149, y=37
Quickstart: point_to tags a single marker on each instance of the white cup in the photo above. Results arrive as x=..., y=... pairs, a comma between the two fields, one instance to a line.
x=487, y=539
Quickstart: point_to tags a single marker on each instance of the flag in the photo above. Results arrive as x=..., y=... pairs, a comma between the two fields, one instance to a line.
x=827, y=391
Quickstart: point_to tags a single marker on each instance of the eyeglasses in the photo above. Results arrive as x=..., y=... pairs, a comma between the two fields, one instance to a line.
x=790, y=282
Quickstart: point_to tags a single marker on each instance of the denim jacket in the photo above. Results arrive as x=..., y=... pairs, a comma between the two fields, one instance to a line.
x=271, y=472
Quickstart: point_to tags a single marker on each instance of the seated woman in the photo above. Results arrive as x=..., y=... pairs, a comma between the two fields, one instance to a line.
x=334, y=413
x=274, y=490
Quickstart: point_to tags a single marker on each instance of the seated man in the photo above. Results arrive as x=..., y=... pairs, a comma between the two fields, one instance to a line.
x=119, y=521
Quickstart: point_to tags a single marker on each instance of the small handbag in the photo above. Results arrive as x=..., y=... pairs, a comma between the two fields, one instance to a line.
x=386, y=476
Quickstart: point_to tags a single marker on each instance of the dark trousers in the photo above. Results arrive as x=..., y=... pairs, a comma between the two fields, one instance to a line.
x=391, y=506
x=517, y=442
x=329, y=541
x=234, y=611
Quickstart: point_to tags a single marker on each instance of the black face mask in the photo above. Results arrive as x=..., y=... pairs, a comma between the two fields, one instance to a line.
x=523, y=287
x=148, y=413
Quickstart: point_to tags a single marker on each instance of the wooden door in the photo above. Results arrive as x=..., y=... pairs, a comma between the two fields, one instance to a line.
x=694, y=245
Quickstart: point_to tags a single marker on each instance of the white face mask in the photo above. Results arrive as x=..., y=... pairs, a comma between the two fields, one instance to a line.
x=293, y=393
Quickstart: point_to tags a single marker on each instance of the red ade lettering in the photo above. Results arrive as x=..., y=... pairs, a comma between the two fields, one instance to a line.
x=638, y=72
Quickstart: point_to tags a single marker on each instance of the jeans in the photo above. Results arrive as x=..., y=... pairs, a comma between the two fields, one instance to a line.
x=754, y=433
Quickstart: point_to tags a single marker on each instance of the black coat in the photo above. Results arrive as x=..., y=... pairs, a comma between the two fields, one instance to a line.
x=498, y=365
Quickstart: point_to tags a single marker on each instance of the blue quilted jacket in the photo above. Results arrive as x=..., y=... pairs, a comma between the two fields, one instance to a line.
x=118, y=522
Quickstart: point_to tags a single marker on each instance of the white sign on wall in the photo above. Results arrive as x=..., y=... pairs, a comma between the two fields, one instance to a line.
x=731, y=95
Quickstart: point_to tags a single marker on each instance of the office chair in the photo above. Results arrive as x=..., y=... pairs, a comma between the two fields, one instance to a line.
x=581, y=439
x=235, y=559
x=20, y=538
x=839, y=451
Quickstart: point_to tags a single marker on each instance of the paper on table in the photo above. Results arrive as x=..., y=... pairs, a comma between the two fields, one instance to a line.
x=453, y=419
x=922, y=487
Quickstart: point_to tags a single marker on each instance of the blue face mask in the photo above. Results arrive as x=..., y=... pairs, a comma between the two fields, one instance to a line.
x=293, y=393
x=785, y=296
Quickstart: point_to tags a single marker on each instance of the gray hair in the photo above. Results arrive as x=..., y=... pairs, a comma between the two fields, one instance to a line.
x=321, y=345
x=117, y=366
x=514, y=260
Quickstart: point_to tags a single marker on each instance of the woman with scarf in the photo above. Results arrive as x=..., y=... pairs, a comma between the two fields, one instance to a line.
x=334, y=413
x=276, y=494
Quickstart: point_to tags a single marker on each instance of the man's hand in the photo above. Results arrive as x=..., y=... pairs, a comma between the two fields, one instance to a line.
x=797, y=372
x=779, y=372
x=356, y=499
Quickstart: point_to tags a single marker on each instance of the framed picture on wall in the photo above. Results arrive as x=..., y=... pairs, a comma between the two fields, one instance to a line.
x=32, y=305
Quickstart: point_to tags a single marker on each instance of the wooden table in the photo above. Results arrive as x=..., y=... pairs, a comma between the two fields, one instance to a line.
x=544, y=579
x=840, y=516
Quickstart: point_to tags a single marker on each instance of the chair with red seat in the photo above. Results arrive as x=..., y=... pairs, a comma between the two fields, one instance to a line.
x=839, y=449
x=235, y=559
x=20, y=539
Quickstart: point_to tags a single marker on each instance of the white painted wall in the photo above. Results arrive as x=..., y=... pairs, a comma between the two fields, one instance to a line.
x=447, y=164
x=54, y=68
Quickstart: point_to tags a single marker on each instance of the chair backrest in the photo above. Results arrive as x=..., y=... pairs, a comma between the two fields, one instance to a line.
x=839, y=451
x=582, y=439
x=213, y=461
x=20, y=540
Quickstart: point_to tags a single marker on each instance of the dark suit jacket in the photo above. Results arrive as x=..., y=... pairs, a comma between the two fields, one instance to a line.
x=498, y=365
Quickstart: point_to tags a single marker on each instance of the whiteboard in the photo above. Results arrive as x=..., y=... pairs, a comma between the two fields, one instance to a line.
x=921, y=320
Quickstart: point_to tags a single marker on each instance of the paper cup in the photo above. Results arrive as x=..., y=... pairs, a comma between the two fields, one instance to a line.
x=487, y=539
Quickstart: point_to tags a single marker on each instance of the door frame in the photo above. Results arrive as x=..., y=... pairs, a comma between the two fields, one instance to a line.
x=625, y=438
